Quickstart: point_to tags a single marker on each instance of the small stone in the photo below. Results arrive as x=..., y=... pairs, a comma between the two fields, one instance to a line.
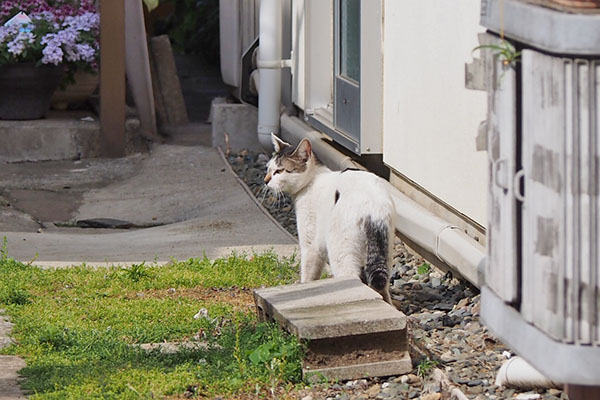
x=435, y=282
x=462, y=302
x=475, y=382
x=171, y=290
x=412, y=379
x=202, y=313
x=307, y=398
x=140, y=294
x=528, y=396
x=448, y=356
x=399, y=283
x=373, y=390
x=431, y=396
x=554, y=392
x=443, y=306
x=475, y=309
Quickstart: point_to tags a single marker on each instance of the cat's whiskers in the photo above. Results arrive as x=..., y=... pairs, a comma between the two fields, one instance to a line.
x=263, y=191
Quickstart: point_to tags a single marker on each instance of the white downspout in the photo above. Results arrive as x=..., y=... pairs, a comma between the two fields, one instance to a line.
x=269, y=64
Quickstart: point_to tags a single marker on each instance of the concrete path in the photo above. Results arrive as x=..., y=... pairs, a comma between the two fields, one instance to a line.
x=189, y=192
x=9, y=365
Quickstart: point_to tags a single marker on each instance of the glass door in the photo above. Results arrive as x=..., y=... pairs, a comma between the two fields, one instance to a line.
x=347, y=69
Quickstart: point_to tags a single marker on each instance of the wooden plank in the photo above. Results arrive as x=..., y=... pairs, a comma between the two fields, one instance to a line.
x=501, y=270
x=112, y=77
x=137, y=65
x=168, y=81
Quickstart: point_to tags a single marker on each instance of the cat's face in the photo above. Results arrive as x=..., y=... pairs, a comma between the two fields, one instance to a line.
x=286, y=170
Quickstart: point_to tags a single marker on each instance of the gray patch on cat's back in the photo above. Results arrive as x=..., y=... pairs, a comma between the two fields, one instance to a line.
x=337, y=197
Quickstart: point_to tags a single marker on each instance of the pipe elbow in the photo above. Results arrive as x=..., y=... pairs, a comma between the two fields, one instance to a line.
x=264, y=139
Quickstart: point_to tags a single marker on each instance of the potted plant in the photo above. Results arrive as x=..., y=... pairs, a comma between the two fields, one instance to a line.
x=42, y=42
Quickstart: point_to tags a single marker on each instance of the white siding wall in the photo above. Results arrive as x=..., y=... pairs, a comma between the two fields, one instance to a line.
x=430, y=120
x=299, y=49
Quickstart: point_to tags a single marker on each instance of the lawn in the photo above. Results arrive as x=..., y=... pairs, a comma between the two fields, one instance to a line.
x=79, y=329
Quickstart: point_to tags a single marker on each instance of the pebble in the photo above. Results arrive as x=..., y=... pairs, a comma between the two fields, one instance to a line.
x=528, y=396
x=202, y=313
x=373, y=390
x=431, y=396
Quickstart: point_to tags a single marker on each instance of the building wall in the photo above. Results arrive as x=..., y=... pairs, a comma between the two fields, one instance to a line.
x=430, y=120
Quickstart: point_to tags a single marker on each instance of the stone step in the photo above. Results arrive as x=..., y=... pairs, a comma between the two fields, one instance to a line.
x=351, y=332
x=60, y=136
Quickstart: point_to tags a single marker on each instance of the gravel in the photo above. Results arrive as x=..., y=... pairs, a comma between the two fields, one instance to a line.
x=445, y=332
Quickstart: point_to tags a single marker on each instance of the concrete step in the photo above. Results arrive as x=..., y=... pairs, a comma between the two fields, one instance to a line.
x=60, y=136
x=351, y=332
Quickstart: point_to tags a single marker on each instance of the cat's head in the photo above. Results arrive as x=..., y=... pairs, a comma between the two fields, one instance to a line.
x=290, y=169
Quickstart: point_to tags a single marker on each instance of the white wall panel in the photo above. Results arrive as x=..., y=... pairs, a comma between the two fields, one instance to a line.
x=430, y=119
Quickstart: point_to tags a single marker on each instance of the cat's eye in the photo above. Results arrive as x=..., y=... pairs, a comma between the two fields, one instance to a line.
x=278, y=171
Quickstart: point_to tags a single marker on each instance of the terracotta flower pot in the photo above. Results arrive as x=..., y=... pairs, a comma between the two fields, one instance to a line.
x=77, y=92
x=27, y=89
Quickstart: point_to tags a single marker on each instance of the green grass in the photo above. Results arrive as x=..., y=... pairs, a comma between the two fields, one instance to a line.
x=77, y=329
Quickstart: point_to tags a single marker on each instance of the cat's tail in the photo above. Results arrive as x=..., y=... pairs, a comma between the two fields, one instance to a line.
x=376, y=272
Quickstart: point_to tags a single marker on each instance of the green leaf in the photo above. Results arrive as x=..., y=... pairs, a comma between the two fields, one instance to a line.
x=423, y=269
x=151, y=4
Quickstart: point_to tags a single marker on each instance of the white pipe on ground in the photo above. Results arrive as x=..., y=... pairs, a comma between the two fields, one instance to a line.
x=269, y=64
x=427, y=230
x=518, y=373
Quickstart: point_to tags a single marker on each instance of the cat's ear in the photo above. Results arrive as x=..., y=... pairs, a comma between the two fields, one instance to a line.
x=304, y=150
x=278, y=144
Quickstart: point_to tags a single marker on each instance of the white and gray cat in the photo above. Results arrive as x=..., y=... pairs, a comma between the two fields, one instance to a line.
x=345, y=218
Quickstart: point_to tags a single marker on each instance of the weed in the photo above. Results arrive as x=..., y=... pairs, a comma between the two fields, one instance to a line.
x=136, y=272
x=15, y=295
x=425, y=366
x=507, y=53
x=4, y=249
x=423, y=269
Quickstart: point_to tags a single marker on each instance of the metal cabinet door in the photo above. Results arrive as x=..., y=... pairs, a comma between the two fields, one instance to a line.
x=501, y=268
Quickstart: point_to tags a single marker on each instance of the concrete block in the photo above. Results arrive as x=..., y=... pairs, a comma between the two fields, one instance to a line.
x=59, y=137
x=400, y=366
x=239, y=122
x=351, y=331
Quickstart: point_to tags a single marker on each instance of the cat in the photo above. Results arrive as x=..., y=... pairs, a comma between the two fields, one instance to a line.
x=345, y=218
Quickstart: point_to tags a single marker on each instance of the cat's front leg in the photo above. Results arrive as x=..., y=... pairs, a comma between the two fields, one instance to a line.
x=311, y=265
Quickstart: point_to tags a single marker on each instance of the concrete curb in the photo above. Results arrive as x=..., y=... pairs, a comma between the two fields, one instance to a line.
x=251, y=195
x=282, y=250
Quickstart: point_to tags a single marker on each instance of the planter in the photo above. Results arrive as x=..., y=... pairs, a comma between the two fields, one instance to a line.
x=27, y=90
x=578, y=3
x=79, y=91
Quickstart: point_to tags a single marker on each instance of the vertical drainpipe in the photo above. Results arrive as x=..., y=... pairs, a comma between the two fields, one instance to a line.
x=269, y=64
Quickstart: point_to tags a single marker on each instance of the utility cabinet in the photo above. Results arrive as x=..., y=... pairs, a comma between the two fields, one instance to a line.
x=542, y=278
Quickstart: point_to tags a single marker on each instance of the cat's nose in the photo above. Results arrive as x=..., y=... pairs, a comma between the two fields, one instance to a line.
x=268, y=178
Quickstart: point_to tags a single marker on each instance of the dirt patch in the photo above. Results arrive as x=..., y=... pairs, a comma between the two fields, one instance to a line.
x=239, y=298
x=46, y=205
x=355, y=350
